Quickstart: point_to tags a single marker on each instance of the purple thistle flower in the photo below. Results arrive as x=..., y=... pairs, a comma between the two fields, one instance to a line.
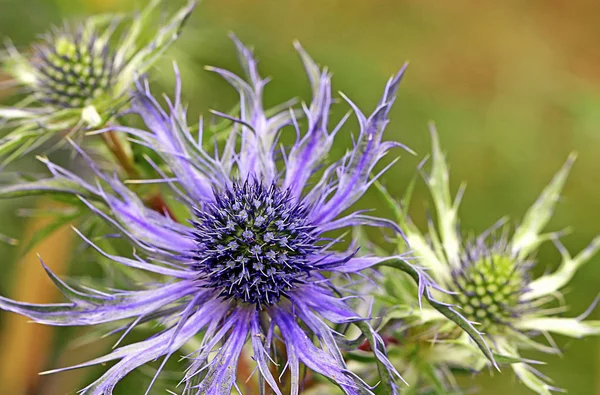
x=255, y=263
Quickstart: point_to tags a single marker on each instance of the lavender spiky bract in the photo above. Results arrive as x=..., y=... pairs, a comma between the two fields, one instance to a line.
x=254, y=261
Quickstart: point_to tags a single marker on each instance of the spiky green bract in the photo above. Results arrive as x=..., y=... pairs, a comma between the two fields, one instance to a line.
x=78, y=75
x=490, y=278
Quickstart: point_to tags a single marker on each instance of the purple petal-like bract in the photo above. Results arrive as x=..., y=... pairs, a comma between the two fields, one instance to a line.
x=254, y=262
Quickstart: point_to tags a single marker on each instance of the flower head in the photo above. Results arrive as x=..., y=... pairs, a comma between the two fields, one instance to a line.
x=255, y=243
x=72, y=69
x=254, y=262
x=78, y=75
x=489, y=284
x=491, y=281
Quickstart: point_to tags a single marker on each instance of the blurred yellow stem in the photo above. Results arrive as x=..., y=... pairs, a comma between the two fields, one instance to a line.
x=25, y=346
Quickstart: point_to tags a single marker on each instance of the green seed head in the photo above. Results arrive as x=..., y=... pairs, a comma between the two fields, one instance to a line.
x=488, y=289
x=73, y=72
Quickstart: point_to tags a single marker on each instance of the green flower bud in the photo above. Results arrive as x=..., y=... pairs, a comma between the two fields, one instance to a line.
x=489, y=283
x=71, y=72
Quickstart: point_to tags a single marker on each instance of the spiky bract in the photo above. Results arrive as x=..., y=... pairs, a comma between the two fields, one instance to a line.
x=491, y=280
x=78, y=76
x=253, y=260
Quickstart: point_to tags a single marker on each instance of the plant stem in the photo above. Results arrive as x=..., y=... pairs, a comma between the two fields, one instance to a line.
x=114, y=145
x=157, y=203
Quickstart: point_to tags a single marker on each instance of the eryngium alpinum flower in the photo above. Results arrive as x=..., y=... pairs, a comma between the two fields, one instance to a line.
x=492, y=282
x=254, y=262
x=78, y=75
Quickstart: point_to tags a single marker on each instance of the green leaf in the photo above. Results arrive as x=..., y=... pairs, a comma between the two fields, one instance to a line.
x=531, y=380
x=509, y=359
x=17, y=142
x=15, y=113
x=550, y=283
x=430, y=373
x=438, y=182
x=405, y=201
x=458, y=353
x=127, y=46
x=144, y=58
x=572, y=327
x=48, y=186
x=396, y=207
x=524, y=372
x=35, y=131
x=415, y=239
x=526, y=237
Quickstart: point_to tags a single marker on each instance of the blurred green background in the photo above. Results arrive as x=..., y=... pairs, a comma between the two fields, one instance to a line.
x=513, y=87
